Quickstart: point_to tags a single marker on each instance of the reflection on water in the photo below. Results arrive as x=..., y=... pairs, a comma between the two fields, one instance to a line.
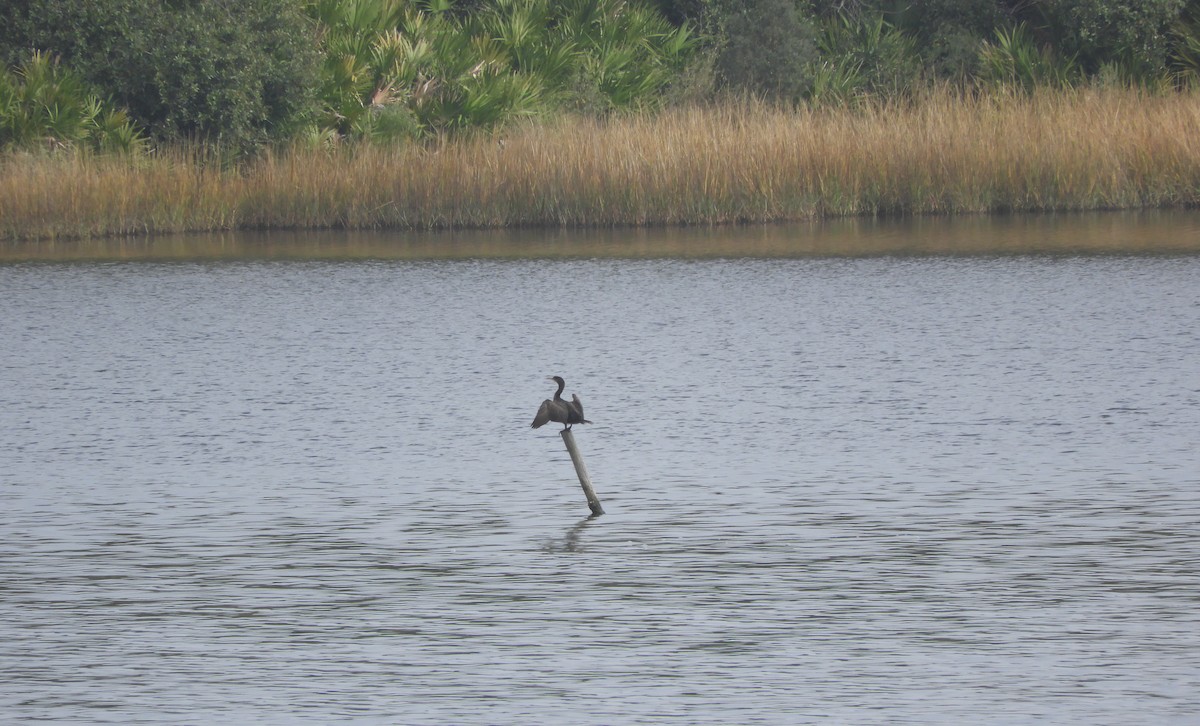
x=571, y=542
x=1092, y=233
x=878, y=490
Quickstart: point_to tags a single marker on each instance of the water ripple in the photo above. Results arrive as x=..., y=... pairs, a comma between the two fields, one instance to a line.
x=862, y=491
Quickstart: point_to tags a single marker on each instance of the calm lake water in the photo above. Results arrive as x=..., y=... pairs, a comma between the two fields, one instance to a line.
x=867, y=489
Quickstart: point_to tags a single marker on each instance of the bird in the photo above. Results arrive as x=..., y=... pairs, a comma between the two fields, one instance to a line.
x=559, y=410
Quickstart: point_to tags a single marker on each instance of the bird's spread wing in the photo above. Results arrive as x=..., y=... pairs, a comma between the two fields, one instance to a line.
x=576, y=407
x=543, y=415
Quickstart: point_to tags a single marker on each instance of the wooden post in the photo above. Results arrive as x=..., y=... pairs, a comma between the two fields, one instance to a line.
x=584, y=481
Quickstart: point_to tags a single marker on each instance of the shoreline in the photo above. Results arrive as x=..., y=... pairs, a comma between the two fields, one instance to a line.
x=1114, y=233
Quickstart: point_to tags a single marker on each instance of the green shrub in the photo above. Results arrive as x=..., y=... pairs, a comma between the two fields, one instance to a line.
x=1015, y=59
x=1183, y=60
x=449, y=69
x=869, y=55
x=43, y=105
x=628, y=50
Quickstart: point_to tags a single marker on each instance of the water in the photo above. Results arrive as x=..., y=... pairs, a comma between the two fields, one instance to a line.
x=855, y=490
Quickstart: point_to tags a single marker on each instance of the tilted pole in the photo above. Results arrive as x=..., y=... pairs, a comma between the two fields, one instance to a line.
x=584, y=481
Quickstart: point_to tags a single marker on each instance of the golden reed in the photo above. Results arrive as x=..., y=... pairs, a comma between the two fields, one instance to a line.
x=734, y=162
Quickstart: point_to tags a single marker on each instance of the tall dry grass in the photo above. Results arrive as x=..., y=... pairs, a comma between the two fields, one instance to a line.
x=945, y=153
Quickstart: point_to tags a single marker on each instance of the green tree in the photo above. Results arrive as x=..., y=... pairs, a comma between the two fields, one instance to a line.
x=238, y=72
x=947, y=33
x=1134, y=35
x=770, y=49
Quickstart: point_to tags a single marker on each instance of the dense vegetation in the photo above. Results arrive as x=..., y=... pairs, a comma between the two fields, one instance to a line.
x=1072, y=149
x=239, y=73
x=136, y=116
x=233, y=72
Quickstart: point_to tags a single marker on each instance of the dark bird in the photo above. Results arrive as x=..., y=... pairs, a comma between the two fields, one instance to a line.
x=560, y=410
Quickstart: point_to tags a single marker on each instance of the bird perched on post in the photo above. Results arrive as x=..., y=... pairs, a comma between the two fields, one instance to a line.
x=559, y=409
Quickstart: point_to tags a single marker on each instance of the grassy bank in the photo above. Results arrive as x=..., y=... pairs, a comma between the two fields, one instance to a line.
x=1068, y=150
